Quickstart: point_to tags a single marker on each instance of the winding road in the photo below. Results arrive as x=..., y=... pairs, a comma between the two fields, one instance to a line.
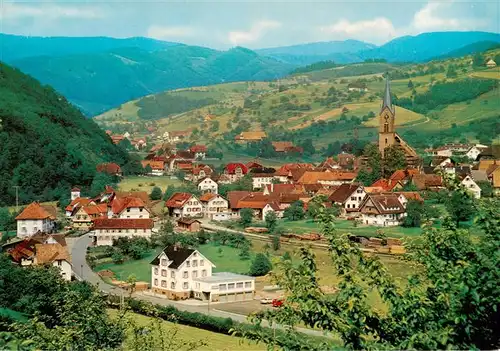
x=82, y=271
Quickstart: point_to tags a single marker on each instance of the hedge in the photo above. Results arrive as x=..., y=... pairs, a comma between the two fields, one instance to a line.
x=222, y=325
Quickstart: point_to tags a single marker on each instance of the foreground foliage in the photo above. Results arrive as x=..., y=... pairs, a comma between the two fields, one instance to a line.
x=451, y=301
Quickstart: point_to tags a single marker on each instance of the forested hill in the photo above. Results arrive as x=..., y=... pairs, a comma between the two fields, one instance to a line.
x=46, y=144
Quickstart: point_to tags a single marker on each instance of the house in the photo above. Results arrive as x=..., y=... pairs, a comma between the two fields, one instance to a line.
x=42, y=249
x=259, y=203
x=260, y=180
x=234, y=197
x=82, y=220
x=493, y=173
x=357, y=86
x=157, y=167
x=139, y=143
x=75, y=193
x=473, y=152
x=246, y=137
x=441, y=161
x=469, y=184
x=428, y=181
x=109, y=168
x=35, y=218
x=327, y=178
x=387, y=184
x=116, y=139
x=235, y=171
x=213, y=204
x=189, y=225
x=405, y=196
x=128, y=207
x=76, y=204
x=199, y=151
x=184, y=205
x=105, y=230
x=346, y=160
x=281, y=146
x=182, y=273
x=176, y=136
x=491, y=63
x=348, y=197
x=403, y=175
x=200, y=172
x=382, y=210
x=208, y=185
x=253, y=165
x=328, y=164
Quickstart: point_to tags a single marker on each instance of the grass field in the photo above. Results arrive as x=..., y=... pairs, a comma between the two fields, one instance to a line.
x=183, y=334
x=144, y=183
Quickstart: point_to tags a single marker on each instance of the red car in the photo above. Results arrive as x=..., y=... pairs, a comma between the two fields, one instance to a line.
x=277, y=303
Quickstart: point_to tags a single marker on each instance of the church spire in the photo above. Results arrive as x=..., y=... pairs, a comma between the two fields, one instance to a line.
x=387, y=95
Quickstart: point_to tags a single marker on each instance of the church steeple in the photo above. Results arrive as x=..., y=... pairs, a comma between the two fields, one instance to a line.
x=387, y=102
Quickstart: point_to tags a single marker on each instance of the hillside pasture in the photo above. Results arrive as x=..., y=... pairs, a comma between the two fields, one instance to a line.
x=146, y=183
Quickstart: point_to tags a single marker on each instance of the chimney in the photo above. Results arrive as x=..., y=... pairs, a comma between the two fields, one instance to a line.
x=177, y=246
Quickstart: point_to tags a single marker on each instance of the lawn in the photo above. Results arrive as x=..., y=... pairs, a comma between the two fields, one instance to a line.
x=140, y=268
x=140, y=183
x=184, y=333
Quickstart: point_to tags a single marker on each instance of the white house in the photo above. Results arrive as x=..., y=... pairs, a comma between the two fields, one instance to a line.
x=349, y=197
x=213, y=204
x=35, y=218
x=382, y=210
x=208, y=185
x=128, y=207
x=260, y=180
x=182, y=273
x=471, y=186
x=75, y=193
x=473, y=153
x=55, y=254
x=184, y=205
x=105, y=230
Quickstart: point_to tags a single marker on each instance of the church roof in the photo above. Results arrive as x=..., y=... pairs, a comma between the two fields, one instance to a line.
x=387, y=102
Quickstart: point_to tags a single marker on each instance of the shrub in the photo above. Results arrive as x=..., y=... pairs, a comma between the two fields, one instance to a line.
x=260, y=265
x=118, y=257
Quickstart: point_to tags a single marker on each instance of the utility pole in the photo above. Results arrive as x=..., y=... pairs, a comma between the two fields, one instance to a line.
x=17, y=197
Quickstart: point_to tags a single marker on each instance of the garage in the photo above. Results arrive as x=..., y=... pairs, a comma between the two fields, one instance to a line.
x=231, y=298
x=240, y=297
x=222, y=298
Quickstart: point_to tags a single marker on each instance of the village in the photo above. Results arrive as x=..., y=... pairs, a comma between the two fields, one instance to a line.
x=244, y=198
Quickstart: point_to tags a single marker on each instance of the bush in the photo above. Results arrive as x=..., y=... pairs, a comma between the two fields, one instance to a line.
x=260, y=265
x=118, y=257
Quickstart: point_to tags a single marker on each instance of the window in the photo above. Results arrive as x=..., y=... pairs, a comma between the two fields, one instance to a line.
x=185, y=274
x=188, y=264
x=248, y=284
x=230, y=286
x=195, y=263
x=59, y=263
x=163, y=272
x=222, y=287
x=353, y=198
x=172, y=274
x=163, y=262
x=195, y=274
x=185, y=285
x=128, y=209
x=172, y=285
x=239, y=285
x=204, y=273
x=163, y=283
x=156, y=271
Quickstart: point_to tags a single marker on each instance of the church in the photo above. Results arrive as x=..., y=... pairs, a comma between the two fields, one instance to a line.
x=387, y=135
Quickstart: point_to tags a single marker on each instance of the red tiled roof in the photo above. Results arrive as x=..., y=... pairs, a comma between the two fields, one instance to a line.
x=120, y=204
x=198, y=148
x=110, y=168
x=186, y=154
x=48, y=253
x=154, y=164
x=402, y=174
x=281, y=146
x=35, y=211
x=386, y=185
x=311, y=177
x=120, y=223
x=253, y=164
x=231, y=168
x=235, y=196
x=185, y=165
x=96, y=209
x=177, y=200
x=410, y=195
x=207, y=197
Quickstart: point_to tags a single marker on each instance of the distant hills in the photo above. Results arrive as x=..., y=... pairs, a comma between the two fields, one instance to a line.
x=46, y=144
x=99, y=73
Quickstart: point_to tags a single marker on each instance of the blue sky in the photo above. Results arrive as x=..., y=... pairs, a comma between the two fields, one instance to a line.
x=252, y=24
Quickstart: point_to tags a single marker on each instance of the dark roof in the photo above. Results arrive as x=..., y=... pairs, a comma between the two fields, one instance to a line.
x=387, y=102
x=187, y=221
x=175, y=254
x=343, y=192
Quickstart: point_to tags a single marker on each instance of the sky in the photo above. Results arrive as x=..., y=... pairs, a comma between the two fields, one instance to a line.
x=253, y=24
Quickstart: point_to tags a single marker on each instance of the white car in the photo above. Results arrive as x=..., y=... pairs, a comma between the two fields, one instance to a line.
x=266, y=301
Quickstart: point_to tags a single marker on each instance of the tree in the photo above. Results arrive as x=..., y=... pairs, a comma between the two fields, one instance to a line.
x=117, y=257
x=394, y=159
x=276, y=242
x=245, y=252
x=315, y=205
x=148, y=169
x=451, y=72
x=295, y=211
x=260, y=265
x=410, y=84
x=450, y=302
x=308, y=147
x=246, y=216
x=169, y=192
x=486, y=188
x=460, y=206
x=7, y=220
x=478, y=60
x=155, y=193
x=271, y=221
x=414, y=212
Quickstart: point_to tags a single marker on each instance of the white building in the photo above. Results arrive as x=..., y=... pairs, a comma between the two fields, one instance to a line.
x=349, y=197
x=75, y=193
x=382, y=210
x=471, y=186
x=213, y=204
x=208, y=185
x=473, y=153
x=128, y=207
x=184, y=205
x=35, y=218
x=260, y=180
x=105, y=230
x=181, y=273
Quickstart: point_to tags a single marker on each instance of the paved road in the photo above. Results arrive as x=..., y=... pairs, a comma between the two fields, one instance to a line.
x=82, y=271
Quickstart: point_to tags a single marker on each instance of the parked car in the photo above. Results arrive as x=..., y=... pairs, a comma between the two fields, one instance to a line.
x=266, y=301
x=277, y=303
